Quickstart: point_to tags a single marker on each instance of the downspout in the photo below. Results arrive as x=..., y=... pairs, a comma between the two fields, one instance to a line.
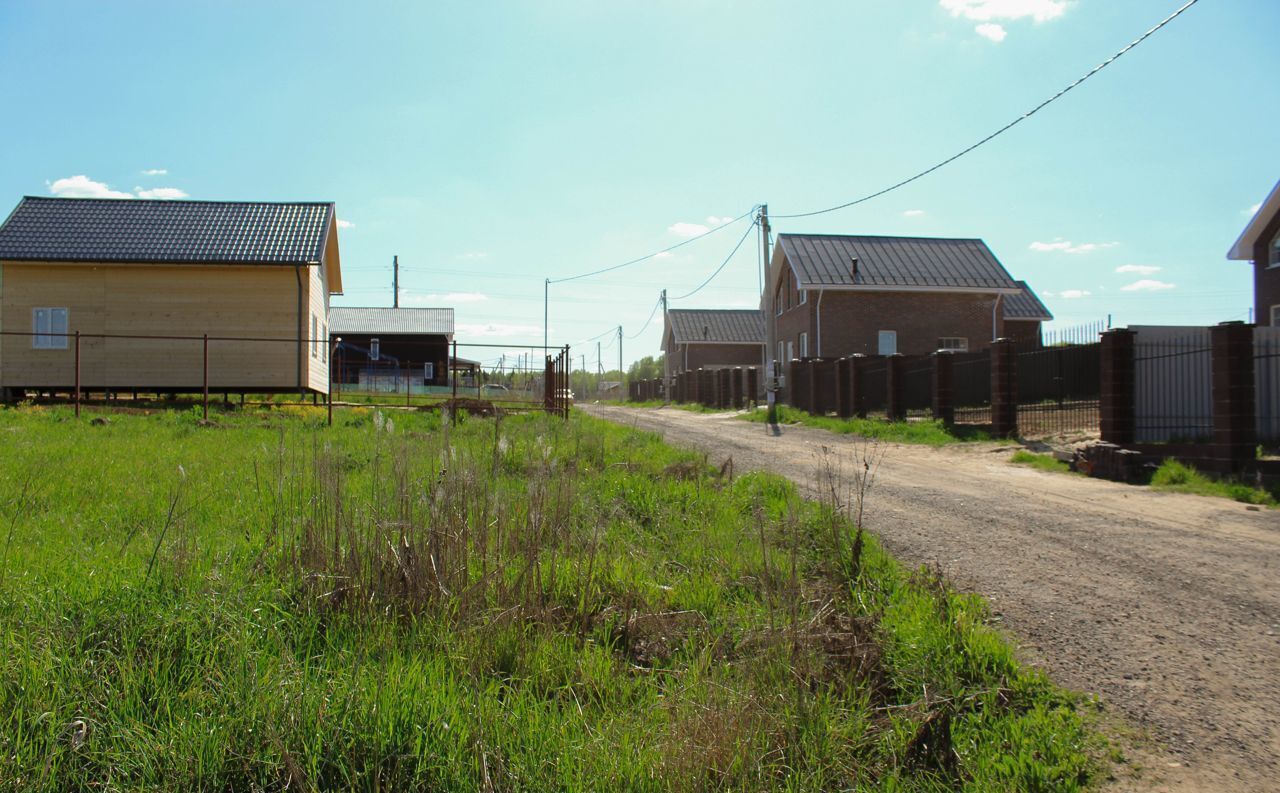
x=995, y=333
x=297, y=271
x=819, y=333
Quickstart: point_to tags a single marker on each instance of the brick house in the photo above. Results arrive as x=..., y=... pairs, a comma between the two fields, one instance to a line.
x=1023, y=314
x=711, y=339
x=836, y=295
x=1260, y=243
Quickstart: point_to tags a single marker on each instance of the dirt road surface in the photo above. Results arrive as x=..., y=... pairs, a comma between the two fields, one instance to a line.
x=1165, y=606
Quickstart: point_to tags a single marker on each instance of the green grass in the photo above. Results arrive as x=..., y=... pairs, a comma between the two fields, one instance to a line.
x=1177, y=477
x=514, y=604
x=928, y=433
x=1043, y=462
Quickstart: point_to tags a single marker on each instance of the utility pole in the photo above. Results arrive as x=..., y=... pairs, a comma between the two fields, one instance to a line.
x=666, y=364
x=599, y=369
x=770, y=328
x=546, y=298
x=395, y=281
x=621, y=376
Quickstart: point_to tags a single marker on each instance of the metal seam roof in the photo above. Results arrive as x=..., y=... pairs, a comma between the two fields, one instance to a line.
x=182, y=231
x=909, y=262
x=727, y=326
x=391, y=321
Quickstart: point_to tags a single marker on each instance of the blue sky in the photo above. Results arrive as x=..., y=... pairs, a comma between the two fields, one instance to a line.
x=494, y=144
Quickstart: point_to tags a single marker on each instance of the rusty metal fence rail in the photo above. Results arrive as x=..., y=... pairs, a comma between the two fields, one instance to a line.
x=77, y=367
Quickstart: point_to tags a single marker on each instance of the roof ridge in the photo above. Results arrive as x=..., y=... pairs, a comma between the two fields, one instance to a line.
x=177, y=201
x=883, y=237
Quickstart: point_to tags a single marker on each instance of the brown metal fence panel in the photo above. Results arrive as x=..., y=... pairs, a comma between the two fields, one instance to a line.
x=971, y=387
x=917, y=386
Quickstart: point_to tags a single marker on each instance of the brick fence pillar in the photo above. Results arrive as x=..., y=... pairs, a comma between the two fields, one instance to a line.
x=1235, y=427
x=943, y=390
x=895, y=405
x=844, y=401
x=1116, y=401
x=1004, y=388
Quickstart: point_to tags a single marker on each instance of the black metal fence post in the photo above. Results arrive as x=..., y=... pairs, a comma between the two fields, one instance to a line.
x=206, y=377
x=77, y=374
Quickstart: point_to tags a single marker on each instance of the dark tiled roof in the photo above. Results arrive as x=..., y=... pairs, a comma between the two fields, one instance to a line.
x=391, y=321
x=911, y=262
x=123, y=230
x=1025, y=305
x=734, y=326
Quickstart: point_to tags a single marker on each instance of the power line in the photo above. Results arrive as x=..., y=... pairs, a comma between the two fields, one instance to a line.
x=647, y=321
x=646, y=257
x=1006, y=127
x=723, y=264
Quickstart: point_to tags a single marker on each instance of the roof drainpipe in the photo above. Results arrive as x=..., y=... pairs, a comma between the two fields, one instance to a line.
x=995, y=334
x=297, y=271
x=821, y=292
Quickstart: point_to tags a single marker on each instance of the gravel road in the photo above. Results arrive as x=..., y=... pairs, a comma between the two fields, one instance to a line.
x=1165, y=606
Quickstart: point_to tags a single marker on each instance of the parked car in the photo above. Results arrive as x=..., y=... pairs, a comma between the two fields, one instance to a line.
x=497, y=389
x=564, y=395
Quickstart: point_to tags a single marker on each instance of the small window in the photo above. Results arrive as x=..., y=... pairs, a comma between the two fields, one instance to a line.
x=50, y=327
x=956, y=343
x=428, y=372
x=1275, y=316
x=1275, y=253
x=374, y=349
x=315, y=336
x=804, y=344
x=888, y=342
x=777, y=303
x=782, y=352
x=791, y=350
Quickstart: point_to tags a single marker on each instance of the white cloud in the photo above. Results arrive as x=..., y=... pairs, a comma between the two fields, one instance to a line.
x=1253, y=210
x=991, y=30
x=1147, y=285
x=712, y=220
x=345, y=224
x=663, y=255
x=1066, y=246
x=499, y=329
x=1073, y=294
x=156, y=172
x=81, y=186
x=913, y=213
x=1140, y=269
x=165, y=193
x=687, y=229
x=988, y=10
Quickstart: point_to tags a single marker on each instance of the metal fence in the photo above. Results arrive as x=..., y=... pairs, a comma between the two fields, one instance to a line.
x=1059, y=389
x=917, y=386
x=1266, y=361
x=1173, y=399
x=971, y=387
x=80, y=367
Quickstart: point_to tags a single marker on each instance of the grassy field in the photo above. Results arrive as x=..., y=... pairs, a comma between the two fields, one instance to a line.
x=263, y=602
x=928, y=433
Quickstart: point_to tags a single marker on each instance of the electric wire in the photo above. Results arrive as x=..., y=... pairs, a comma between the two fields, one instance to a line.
x=723, y=264
x=646, y=257
x=1006, y=127
x=645, y=326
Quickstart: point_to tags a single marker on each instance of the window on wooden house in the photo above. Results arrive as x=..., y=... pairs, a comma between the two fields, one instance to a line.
x=50, y=328
x=374, y=349
x=954, y=343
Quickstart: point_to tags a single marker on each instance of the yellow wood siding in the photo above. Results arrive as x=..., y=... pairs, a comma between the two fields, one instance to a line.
x=185, y=300
x=318, y=303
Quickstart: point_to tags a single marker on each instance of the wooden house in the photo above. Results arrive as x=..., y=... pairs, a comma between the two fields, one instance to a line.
x=142, y=282
x=375, y=343
x=1260, y=244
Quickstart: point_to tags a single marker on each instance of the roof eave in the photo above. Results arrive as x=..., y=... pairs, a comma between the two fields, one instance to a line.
x=986, y=290
x=1243, y=249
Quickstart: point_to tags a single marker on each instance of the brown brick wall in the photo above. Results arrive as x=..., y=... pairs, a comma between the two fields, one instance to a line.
x=1266, y=280
x=708, y=356
x=851, y=321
